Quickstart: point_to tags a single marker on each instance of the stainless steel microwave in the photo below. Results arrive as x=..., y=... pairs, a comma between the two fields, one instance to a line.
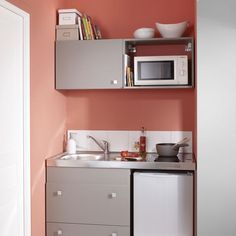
x=161, y=70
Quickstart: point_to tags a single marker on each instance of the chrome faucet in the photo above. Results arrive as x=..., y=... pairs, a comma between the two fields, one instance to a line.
x=104, y=145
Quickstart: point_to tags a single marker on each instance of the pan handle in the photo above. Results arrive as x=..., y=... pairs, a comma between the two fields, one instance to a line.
x=181, y=143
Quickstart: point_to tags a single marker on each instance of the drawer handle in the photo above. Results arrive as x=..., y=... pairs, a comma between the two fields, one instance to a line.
x=113, y=195
x=59, y=232
x=66, y=34
x=114, y=234
x=59, y=193
x=114, y=81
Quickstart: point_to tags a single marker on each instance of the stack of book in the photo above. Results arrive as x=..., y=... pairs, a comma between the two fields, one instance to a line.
x=74, y=25
x=129, y=77
x=87, y=29
x=128, y=73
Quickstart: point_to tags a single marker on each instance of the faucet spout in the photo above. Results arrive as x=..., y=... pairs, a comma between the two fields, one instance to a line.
x=104, y=145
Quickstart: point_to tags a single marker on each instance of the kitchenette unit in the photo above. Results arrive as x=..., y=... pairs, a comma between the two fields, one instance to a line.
x=122, y=191
x=98, y=193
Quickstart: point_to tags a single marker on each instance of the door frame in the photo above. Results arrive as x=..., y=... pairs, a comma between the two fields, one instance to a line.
x=26, y=114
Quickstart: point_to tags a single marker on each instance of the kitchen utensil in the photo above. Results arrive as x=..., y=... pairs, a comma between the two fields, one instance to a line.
x=170, y=149
x=172, y=30
x=181, y=143
x=166, y=149
x=144, y=33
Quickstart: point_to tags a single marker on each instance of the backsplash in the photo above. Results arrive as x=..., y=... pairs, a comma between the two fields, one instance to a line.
x=125, y=140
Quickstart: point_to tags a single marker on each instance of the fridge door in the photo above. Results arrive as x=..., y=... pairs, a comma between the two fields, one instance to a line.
x=163, y=204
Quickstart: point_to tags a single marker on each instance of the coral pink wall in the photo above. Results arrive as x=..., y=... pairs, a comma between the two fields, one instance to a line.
x=131, y=109
x=119, y=18
x=119, y=109
x=48, y=107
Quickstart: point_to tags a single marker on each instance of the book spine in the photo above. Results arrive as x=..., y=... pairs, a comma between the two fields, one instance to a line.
x=126, y=66
x=80, y=28
x=90, y=27
x=85, y=28
x=131, y=78
x=128, y=83
x=94, y=32
x=98, y=32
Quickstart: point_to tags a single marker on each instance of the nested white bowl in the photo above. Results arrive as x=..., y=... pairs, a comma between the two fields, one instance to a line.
x=172, y=30
x=144, y=33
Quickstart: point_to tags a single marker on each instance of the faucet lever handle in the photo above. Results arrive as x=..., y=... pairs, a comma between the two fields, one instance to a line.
x=106, y=146
x=105, y=143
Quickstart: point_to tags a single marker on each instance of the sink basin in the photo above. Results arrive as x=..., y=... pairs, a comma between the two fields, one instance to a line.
x=83, y=156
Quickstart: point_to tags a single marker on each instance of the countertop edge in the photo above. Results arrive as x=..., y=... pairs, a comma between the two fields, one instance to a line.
x=187, y=164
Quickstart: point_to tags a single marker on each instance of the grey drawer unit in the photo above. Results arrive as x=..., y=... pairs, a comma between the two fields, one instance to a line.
x=55, y=229
x=88, y=196
x=88, y=203
x=89, y=64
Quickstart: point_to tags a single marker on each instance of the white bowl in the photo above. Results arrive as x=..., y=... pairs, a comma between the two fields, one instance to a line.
x=172, y=30
x=144, y=33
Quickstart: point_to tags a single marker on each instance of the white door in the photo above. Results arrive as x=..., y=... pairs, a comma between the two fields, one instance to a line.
x=216, y=98
x=14, y=122
x=163, y=204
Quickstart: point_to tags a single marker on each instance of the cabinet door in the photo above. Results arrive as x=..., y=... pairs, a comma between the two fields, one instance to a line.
x=88, y=203
x=54, y=229
x=89, y=64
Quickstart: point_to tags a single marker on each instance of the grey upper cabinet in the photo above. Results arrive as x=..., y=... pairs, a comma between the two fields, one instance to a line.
x=89, y=64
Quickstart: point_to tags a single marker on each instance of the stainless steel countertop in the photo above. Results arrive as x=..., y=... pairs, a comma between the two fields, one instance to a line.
x=152, y=162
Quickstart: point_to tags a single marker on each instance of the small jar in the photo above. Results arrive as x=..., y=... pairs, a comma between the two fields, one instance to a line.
x=71, y=146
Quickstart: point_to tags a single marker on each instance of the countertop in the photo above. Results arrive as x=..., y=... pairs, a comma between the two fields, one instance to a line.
x=151, y=162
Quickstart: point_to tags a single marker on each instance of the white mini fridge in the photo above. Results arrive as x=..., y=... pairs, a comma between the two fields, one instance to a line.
x=163, y=204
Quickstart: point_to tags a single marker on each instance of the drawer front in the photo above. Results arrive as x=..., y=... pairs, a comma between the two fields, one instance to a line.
x=88, y=204
x=88, y=175
x=86, y=230
x=67, y=34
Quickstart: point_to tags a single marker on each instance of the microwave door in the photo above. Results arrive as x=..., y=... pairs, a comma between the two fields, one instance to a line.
x=155, y=72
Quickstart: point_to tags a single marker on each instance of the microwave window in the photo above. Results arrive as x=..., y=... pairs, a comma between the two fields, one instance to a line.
x=157, y=70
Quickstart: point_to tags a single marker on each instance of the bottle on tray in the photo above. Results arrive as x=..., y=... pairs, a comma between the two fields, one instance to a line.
x=142, y=143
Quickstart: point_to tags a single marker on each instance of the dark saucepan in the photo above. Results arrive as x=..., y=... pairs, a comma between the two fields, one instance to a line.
x=168, y=149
